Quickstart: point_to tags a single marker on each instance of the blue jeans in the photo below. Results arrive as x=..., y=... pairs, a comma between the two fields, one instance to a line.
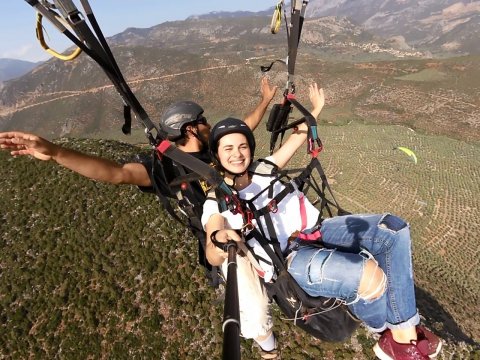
x=335, y=271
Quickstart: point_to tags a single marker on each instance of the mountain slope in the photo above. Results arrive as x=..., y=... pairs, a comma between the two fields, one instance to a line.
x=216, y=63
x=91, y=270
x=421, y=94
x=422, y=23
x=12, y=68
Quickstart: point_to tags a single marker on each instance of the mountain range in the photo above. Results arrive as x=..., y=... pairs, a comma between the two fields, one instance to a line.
x=447, y=25
x=12, y=68
x=450, y=26
x=375, y=58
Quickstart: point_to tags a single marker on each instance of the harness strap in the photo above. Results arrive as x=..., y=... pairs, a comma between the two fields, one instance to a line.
x=192, y=163
x=277, y=121
x=184, y=196
x=275, y=255
x=278, y=124
x=315, y=163
x=272, y=205
x=271, y=229
x=294, y=36
x=312, y=135
x=187, y=178
x=251, y=258
x=303, y=211
x=298, y=184
x=160, y=194
x=95, y=46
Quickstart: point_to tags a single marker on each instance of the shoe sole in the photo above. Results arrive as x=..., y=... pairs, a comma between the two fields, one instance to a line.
x=437, y=351
x=380, y=354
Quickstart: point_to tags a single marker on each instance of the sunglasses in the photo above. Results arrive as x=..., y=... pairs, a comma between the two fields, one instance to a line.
x=201, y=121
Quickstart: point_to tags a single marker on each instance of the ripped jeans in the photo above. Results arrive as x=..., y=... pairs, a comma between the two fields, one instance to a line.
x=335, y=271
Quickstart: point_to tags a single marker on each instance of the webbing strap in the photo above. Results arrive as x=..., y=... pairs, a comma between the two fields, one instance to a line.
x=276, y=256
x=312, y=127
x=272, y=234
x=251, y=258
x=316, y=163
x=280, y=126
x=89, y=44
x=95, y=46
x=303, y=211
x=294, y=36
x=160, y=195
x=314, y=236
x=296, y=24
x=272, y=205
x=296, y=184
x=185, y=196
x=297, y=16
x=204, y=170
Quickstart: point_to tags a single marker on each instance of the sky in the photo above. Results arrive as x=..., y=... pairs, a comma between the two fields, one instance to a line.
x=17, y=28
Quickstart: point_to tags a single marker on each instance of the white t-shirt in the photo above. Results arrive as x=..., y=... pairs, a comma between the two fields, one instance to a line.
x=286, y=220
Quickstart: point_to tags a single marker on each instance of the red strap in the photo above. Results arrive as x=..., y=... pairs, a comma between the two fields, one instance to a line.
x=316, y=235
x=315, y=152
x=260, y=273
x=303, y=211
x=162, y=147
x=249, y=217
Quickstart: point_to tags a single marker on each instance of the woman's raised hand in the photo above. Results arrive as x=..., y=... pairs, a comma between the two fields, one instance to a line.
x=317, y=98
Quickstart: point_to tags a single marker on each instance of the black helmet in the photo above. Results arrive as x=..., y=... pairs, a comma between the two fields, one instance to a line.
x=225, y=127
x=177, y=115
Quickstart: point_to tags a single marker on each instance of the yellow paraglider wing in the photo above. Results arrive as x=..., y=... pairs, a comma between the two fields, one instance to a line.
x=408, y=152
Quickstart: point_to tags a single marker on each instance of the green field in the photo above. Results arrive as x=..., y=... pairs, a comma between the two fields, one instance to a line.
x=97, y=271
x=439, y=196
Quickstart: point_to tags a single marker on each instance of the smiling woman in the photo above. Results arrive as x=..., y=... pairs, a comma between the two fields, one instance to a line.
x=362, y=261
x=17, y=34
x=237, y=143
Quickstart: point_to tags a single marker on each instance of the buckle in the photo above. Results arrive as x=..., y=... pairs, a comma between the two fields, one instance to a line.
x=272, y=206
x=247, y=228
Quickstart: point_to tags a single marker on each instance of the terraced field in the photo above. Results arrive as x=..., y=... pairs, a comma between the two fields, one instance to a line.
x=439, y=196
x=90, y=274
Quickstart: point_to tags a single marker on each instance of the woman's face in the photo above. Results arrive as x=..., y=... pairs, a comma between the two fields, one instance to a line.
x=234, y=153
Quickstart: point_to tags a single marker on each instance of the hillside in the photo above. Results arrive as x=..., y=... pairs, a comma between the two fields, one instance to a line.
x=442, y=26
x=87, y=268
x=183, y=59
x=432, y=96
x=12, y=68
x=216, y=62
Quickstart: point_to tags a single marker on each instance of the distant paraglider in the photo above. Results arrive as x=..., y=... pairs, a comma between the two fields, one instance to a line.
x=407, y=151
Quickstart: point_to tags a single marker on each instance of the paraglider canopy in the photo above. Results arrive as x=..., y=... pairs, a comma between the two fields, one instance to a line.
x=407, y=151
